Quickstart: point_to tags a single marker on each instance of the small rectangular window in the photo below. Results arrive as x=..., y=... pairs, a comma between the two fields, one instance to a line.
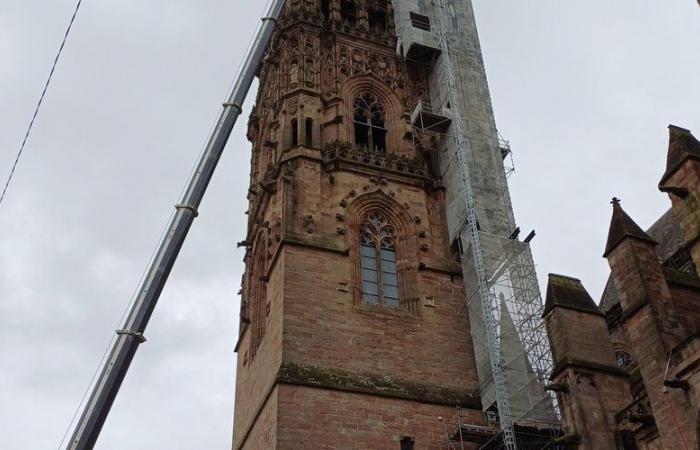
x=420, y=21
x=407, y=443
x=295, y=132
x=309, y=132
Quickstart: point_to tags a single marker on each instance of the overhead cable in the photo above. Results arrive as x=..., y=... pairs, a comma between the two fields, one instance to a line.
x=41, y=100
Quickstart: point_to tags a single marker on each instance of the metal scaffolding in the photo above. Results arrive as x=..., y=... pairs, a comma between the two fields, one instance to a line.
x=503, y=297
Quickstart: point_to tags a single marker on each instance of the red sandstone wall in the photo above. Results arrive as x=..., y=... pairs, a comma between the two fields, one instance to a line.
x=263, y=435
x=254, y=379
x=325, y=327
x=319, y=419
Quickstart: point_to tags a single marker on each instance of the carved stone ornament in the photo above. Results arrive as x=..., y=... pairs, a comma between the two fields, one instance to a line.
x=309, y=223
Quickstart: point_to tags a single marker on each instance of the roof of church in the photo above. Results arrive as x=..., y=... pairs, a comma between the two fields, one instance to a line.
x=669, y=235
x=569, y=293
x=682, y=146
x=622, y=226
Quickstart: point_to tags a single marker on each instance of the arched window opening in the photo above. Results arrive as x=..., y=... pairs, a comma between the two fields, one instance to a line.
x=309, y=132
x=258, y=297
x=368, y=117
x=377, y=16
x=348, y=11
x=380, y=284
x=295, y=132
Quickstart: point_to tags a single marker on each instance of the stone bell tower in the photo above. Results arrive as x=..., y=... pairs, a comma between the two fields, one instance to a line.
x=353, y=333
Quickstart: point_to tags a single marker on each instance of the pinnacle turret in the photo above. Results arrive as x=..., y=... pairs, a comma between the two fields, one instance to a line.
x=682, y=145
x=622, y=226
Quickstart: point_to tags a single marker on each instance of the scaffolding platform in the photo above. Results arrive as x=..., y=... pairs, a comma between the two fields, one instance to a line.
x=428, y=119
x=527, y=437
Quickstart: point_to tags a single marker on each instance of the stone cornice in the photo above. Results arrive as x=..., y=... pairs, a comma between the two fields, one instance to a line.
x=344, y=156
x=311, y=376
x=570, y=363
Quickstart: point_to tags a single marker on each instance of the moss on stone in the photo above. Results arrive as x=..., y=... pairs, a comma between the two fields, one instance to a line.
x=291, y=373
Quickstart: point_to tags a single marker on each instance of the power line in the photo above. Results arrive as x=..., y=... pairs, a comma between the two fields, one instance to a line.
x=41, y=100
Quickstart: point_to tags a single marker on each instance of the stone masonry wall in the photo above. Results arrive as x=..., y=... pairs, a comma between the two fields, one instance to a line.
x=319, y=419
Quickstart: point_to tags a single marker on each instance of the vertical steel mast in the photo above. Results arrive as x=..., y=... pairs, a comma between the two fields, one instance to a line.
x=107, y=385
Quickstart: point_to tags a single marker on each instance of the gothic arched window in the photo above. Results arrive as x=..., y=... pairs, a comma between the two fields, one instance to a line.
x=368, y=116
x=380, y=284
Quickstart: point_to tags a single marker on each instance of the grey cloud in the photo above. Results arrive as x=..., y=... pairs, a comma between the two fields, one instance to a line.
x=584, y=91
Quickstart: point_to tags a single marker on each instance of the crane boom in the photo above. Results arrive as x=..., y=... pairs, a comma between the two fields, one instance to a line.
x=124, y=348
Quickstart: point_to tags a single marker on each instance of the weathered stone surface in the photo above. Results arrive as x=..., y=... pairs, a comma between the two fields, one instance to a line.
x=318, y=366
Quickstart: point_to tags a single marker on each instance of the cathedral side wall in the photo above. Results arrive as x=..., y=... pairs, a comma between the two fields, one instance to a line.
x=263, y=434
x=686, y=301
x=311, y=418
x=255, y=378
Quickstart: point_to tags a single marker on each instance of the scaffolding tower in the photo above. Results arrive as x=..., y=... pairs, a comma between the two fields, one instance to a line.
x=503, y=296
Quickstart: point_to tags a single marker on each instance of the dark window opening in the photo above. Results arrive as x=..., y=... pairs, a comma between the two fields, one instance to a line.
x=370, y=130
x=361, y=129
x=380, y=282
x=325, y=9
x=309, y=132
x=379, y=138
x=377, y=17
x=295, y=133
x=348, y=11
x=625, y=440
x=420, y=21
x=407, y=443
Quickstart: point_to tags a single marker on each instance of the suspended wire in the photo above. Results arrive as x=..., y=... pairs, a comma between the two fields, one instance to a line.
x=41, y=100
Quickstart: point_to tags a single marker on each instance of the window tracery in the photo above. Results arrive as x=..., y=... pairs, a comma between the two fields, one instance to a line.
x=369, y=120
x=379, y=275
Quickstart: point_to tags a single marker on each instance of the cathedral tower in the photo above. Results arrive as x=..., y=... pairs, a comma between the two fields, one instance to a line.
x=353, y=329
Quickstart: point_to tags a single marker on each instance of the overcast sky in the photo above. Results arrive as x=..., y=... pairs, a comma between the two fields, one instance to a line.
x=583, y=90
